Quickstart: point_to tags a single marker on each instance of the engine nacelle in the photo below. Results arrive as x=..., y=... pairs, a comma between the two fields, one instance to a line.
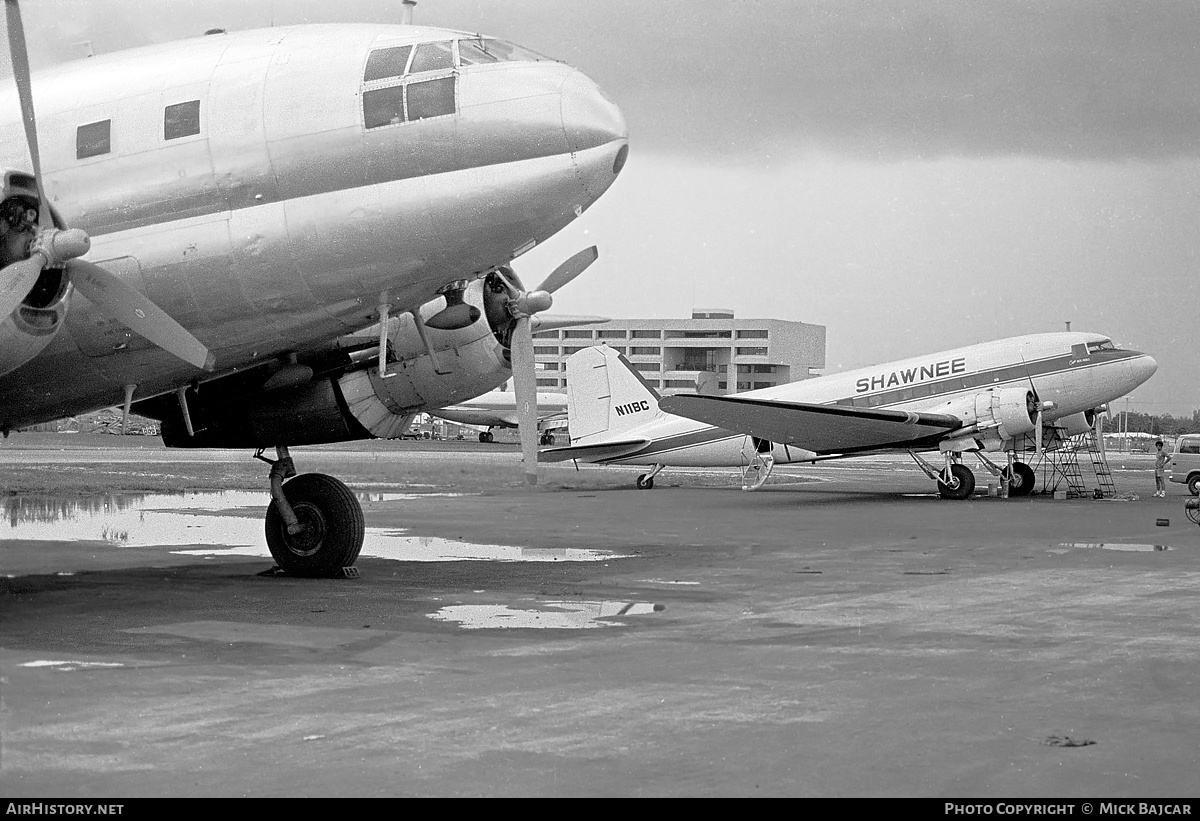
x=357, y=403
x=32, y=325
x=1077, y=423
x=1009, y=412
x=26, y=331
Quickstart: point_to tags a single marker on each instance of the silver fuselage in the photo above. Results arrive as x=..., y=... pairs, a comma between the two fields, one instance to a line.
x=286, y=222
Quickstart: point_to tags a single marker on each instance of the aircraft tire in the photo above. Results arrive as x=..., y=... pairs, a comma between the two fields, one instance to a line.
x=1022, y=481
x=645, y=482
x=965, y=487
x=333, y=527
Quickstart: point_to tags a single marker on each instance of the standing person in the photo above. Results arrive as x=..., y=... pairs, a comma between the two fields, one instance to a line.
x=1160, y=469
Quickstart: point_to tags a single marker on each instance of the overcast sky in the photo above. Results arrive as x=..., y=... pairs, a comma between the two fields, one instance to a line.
x=912, y=175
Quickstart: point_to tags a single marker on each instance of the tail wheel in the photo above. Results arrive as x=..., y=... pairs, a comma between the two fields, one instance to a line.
x=1022, y=480
x=963, y=485
x=331, y=527
x=645, y=482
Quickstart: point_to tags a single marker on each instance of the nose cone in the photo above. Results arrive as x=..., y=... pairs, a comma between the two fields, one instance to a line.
x=590, y=120
x=1142, y=368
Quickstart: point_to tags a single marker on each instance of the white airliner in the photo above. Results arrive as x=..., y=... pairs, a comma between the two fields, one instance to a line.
x=498, y=409
x=986, y=397
x=251, y=203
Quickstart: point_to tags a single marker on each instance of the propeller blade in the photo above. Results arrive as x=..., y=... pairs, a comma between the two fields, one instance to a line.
x=129, y=306
x=17, y=280
x=21, y=73
x=525, y=388
x=568, y=270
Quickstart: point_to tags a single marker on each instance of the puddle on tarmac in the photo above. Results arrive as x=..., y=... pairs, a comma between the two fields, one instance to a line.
x=230, y=523
x=553, y=615
x=1136, y=548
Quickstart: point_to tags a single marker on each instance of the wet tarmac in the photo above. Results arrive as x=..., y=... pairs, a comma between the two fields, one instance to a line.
x=848, y=634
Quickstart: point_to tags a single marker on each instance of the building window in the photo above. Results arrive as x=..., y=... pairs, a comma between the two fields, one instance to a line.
x=722, y=385
x=618, y=348
x=751, y=351
x=181, y=120
x=548, y=366
x=577, y=334
x=751, y=334
x=743, y=386
x=547, y=383
x=545, y=350
x=647, y=334
x=568, y=350
x=92, y=139
x=645, y=351
x=610, y=334
x=647, y=366
x=546, y=335
x=654, y=383
x=679, y=383
x=758, y=385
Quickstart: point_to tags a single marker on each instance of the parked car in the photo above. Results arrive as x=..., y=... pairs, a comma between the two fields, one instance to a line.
x=1185, y=462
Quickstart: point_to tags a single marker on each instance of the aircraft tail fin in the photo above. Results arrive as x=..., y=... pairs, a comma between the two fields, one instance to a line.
x=606, y=397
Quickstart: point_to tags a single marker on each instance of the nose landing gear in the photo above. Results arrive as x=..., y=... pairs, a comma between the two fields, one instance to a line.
x=314, y=524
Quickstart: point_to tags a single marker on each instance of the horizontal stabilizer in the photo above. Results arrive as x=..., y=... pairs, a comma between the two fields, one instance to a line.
x=598, y=452
x=822, y=429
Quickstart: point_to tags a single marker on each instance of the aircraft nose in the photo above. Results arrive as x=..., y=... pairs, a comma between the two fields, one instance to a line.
x=591, y=120
x=1143, y=367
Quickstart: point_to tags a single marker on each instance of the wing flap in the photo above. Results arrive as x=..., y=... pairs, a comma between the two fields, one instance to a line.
x=822, y=429
x=598, y=452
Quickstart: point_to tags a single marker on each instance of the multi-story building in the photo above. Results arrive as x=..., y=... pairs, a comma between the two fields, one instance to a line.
x=712, y=352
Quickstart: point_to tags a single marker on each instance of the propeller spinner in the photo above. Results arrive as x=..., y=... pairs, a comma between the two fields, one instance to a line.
x=52, y=247
x=522, y=305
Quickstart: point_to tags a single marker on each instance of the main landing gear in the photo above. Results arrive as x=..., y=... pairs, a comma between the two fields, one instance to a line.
x=314, y=523
x=546, y=439
x=1019, y=476
x=955, y=481
x=646, y=480
x=486, y=437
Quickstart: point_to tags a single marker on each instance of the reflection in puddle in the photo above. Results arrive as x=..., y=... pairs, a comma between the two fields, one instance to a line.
x=68, y=666
x=1141, y=548
x=556, y=615
x=230, y=523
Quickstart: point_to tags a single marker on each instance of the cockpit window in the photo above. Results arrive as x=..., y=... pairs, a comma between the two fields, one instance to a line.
x=386, y=62
x=433, y=57
x=484, y=50
x=1102, y=345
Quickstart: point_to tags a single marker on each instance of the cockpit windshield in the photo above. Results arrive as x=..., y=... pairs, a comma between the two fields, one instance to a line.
x=480, y=50
x=1102, y=345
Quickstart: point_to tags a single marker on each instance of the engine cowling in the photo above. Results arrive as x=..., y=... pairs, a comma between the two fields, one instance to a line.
x=355, y=402
x=32, y=325
x=1008, y=412
x=1077, y=423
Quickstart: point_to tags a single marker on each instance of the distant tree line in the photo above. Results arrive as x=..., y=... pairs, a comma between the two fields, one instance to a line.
x=1158, y=424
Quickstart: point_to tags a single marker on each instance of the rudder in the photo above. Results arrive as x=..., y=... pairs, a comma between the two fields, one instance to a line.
x=606, y=396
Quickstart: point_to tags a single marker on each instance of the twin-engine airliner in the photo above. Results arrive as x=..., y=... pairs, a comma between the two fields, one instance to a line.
x=989, y=397
x=206, y=231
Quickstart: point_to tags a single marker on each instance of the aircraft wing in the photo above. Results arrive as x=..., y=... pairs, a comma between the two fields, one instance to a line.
x=820, y=428
x=597, y=452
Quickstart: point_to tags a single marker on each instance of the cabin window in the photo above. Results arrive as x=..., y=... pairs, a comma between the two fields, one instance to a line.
x=181, y=120
x=383, y=106
x=480, y=50
x=431, y=98
x=472, y=52
x=433, y=57
x=386, y=62
x=92, y=140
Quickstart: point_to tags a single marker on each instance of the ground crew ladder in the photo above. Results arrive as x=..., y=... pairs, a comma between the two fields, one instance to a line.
x=1108, y=488
x=1066, y=460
